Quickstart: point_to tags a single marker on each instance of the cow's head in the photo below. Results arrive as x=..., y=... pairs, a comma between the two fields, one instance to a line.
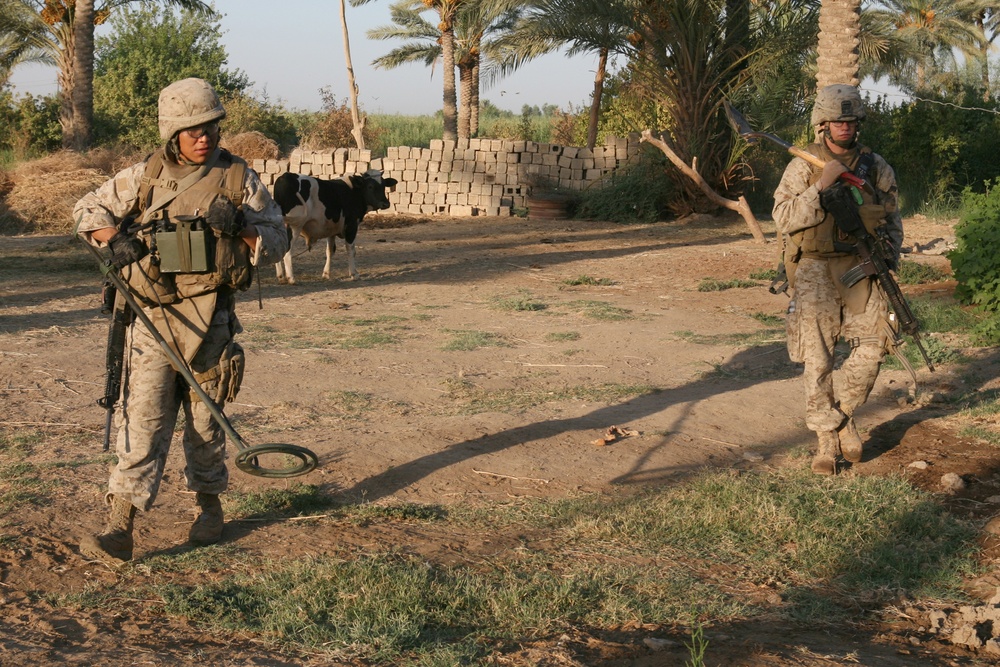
x=374, y=186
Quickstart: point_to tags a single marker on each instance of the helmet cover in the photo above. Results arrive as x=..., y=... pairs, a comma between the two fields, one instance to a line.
x=187, y=103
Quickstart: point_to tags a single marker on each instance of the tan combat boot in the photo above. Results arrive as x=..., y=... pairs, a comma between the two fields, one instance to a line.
x=825, y=461
x=207, y=528
x=850, y=441
x=114, y=545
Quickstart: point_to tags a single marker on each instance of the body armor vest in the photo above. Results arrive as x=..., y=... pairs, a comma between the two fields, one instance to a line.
x=823, y=239
x=209, y=261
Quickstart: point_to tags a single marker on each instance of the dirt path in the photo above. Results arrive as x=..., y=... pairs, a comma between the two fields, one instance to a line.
x=581, y=327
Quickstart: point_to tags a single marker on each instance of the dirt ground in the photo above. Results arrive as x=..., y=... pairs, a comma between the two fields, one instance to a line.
x=383, y=417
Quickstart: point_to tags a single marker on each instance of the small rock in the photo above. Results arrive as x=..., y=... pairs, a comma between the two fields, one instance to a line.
x=993, y=500
x=919, y=465
x=754, y=457
x=992, y=647
x=914, y=641
x=951, y=482
x=993, y=527
x=657, y=644
x=936, y=619
x=966, y=636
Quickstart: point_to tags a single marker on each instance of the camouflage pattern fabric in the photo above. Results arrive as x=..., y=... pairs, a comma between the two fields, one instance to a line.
x=822, y=318
x=154, y=394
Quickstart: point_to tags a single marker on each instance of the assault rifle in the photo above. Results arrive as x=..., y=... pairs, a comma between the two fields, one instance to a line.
x=121, y=318
x=841, y=204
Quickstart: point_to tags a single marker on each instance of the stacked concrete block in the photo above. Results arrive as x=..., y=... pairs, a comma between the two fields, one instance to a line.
x=467, y=177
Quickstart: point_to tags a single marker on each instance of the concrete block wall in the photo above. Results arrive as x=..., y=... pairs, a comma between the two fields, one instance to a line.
x=467, y=177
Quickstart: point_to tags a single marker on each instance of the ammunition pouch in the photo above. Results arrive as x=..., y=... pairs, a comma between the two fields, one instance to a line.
x=223, y=381
x=200, y=258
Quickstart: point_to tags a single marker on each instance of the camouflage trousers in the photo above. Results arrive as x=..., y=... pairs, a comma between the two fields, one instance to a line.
x=820, y=318
x=151, y=401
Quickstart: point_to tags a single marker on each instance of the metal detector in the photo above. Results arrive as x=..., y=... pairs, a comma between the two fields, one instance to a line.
x=247, y=459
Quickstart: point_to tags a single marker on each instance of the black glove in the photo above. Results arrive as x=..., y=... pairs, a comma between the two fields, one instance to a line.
x=125, y=250
x=838, y=201
x=224, y=217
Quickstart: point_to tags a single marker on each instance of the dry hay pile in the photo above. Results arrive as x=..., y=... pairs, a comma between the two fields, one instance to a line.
x=251, y=146
x=45, y=191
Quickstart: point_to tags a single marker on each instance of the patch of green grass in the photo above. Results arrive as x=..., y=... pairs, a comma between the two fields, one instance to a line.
x=599, y=310
x=562, y=336
x=769, y=319
x=937, y=350
x=917, y=273
x=588, y=280
x=23, y=484
x=466, y=340
x=296, y=500
x=715, y=285
x=522, y=302
x=943, y=314
x=981, y=433
x=764, y=274
x=684, y=554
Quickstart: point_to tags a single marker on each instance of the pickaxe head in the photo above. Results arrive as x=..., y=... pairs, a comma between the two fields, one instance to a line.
x=740, y=123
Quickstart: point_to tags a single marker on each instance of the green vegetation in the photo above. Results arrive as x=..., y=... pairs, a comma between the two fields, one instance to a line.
x=521, y=302
x=588, y=280
x=599, y=310
x=915, y=273
x=683, y=555
x=715, y=285
x=466, y=340
x=562, y=336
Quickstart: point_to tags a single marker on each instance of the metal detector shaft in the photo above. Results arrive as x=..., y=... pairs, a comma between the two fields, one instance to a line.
x=246, y=460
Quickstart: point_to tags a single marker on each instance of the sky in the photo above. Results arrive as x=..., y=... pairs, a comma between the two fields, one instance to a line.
x=291, y=49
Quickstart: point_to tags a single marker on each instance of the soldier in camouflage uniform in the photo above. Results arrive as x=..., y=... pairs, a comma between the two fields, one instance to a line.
x=188, y=179
x=816, y=254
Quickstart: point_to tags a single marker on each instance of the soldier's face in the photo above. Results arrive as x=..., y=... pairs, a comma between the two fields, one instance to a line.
x=842, y=130
x=197, y=143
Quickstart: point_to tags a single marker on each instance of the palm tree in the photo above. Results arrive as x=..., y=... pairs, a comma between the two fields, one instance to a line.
x=83, y=78
x=57, y=40
x=583, y=26
x=926, y=34
x=447, y=11
x=23, y=38
x=476, y=20
x=837, y=49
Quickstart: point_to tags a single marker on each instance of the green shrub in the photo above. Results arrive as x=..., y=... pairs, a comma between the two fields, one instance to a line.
x=639, y=192
x=975, y=261
x=914, y=273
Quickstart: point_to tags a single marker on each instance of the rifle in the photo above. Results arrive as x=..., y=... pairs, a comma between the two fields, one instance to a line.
x=121, y=318
x=874, y=261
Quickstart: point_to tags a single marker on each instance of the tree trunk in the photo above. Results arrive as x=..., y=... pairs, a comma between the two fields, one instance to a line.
x=595, y=103
x=465, y=101
x=839, y=39
x=474, y=102
x=64, y=64
x=83, y=77
x=357, y=119
x=449, y=107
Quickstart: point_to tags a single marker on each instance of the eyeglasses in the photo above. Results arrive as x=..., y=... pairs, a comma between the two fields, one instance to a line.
x=199, y=131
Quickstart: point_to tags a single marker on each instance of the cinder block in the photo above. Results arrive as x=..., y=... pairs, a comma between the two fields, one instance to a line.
x=461, y=211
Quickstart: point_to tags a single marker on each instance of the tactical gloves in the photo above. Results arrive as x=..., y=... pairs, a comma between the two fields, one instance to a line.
x=125, y=250
x=224, y=217
x=837, y=201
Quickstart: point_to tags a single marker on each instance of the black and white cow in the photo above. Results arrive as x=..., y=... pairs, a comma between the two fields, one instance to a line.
x=320, y=209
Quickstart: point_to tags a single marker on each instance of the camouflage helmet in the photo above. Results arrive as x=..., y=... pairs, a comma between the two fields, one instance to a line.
x=187, y=103
x=839, y=102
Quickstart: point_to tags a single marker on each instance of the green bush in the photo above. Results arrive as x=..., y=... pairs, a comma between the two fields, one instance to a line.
x=639, y=192
x=975, y=261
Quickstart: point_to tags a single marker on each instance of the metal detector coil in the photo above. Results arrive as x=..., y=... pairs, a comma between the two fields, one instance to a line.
x=248, y=457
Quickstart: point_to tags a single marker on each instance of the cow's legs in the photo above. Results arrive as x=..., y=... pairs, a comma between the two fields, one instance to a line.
x=284, y=267
x=351, y=266
x=331, y=248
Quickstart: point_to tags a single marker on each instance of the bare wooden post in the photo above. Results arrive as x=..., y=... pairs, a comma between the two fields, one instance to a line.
x=356, y=118
x=740, y=206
